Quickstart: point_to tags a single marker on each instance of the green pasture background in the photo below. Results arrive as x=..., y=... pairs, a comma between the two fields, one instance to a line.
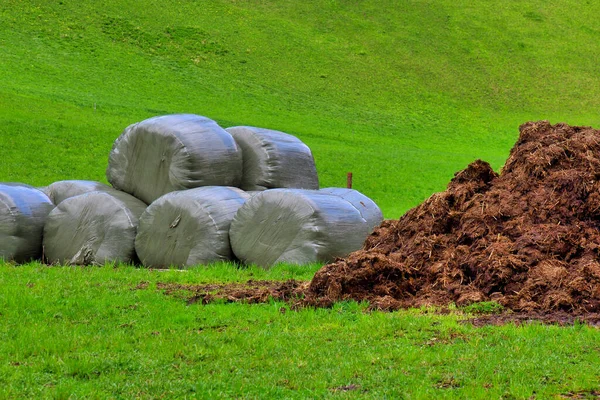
x=401, y=93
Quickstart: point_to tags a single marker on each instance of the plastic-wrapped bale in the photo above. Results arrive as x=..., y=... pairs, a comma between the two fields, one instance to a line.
x=23, y=212
x=173, y=152
x=92, y=229
x=367, y=207
x=62, y=190
x=188, y=227
x=274, y=159
x=296, y=226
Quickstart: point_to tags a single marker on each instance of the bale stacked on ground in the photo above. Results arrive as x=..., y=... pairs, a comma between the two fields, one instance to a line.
x=296, y=226
x=92, y=229
x=528, y=238
x=188, y=227
x=173, y=152
x=62, y=190
x=274, y=159
x=365, y=206
x=23, y=212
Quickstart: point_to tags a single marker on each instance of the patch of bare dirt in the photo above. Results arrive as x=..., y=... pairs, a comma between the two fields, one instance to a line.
x=560, y=318
x=582, y=394
x=248, y=292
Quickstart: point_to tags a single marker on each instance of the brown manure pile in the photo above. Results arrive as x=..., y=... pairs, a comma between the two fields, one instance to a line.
x=528, y=238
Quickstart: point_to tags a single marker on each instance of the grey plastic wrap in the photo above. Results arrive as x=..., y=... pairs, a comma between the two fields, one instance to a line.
x=296, y=226
x=61, y=190
x=173, y=152
x=23, y=212
x=92, y=229
x=274, y=159
x=188, y=227
x=367, y=207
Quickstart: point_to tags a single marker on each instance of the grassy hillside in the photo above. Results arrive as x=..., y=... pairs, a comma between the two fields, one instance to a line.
x=403, y=94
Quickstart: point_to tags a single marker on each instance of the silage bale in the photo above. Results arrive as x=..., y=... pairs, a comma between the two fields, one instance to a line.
x=188, y=227
x=367, y=207
x=296, y=226
x=23, y=212
x=173, y=152
x=92, y=229
x=274, y=159
x=61, y=190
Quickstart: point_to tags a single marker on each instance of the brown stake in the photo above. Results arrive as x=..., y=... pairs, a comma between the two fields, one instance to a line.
x=349, y=180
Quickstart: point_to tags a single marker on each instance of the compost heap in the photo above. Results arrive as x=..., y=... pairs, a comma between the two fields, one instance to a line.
x=528, y=238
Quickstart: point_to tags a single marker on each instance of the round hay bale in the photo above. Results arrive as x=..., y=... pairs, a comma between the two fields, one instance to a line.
x=365, y=206
x=61, y=190
x=23, y=212
x=173, y=152
x=274, y=159
x=92, y=229
x=296, y=226
x=188, y=227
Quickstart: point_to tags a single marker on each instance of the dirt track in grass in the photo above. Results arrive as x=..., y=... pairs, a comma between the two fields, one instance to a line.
x=247, y=292
x=291, y=291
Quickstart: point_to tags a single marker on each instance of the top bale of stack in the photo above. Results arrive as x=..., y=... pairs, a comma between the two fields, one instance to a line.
x=173, y=152
x=274, y=159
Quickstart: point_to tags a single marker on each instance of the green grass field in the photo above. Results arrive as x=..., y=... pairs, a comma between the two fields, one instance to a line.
x=403, y=94
x=75, y=332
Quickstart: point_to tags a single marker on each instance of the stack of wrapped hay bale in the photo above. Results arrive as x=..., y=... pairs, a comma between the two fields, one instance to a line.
x=23, y=213
x=185, y=192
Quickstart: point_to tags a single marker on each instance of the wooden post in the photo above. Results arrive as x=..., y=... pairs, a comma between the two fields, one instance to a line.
x=349, y=180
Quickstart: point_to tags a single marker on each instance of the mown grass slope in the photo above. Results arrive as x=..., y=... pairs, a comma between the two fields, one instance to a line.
x=403, y=94
x=111, y=332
